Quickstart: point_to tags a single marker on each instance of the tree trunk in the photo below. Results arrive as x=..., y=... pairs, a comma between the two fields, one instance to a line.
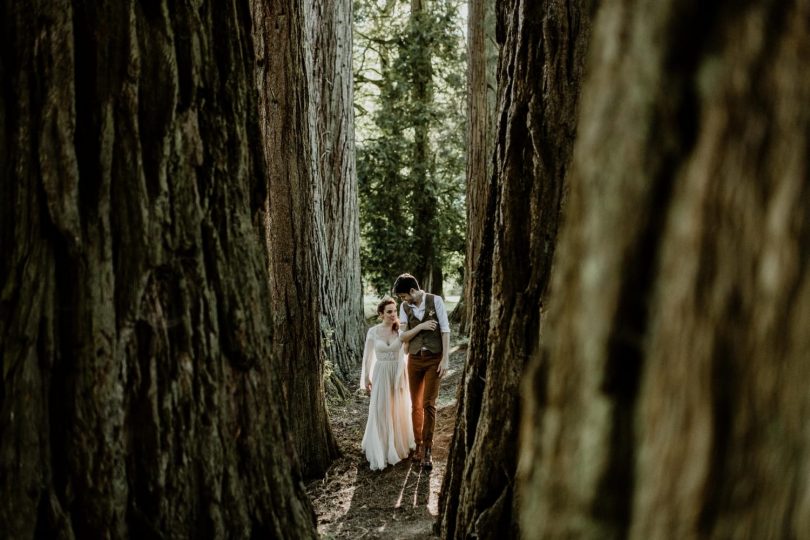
x=137, y=397
x=341, y=292
x=480, y=139
x=436, y=282
x=671, y=399
x=543, y=48
x=425, y=219
x=295, y=224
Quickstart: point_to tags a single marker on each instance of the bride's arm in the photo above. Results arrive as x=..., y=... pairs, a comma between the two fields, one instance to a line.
x=408, y=335
x=368, y=361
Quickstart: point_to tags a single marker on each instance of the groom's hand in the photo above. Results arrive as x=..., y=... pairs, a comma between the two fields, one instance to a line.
x=442, y=369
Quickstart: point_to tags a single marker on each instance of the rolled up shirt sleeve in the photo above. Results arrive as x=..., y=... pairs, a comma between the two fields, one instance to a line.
x=441, y=314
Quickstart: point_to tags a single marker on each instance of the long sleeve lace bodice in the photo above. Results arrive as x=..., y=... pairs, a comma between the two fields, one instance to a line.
x=380, y=349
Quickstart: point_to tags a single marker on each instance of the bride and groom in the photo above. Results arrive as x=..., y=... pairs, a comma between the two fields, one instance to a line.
x=402, y=409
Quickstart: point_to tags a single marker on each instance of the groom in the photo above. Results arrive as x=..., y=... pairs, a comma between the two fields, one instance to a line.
x=424, y=327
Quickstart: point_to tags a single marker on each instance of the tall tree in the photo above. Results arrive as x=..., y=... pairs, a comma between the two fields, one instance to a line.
x=137, y=397
x=424, y=220
x=671, y=398
x=296, y=229
x=382, y=146
x=480, y=139
x=543, y=48
x=410, y=101
x=341, y=290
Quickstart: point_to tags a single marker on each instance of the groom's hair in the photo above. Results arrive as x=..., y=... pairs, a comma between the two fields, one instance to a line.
x=405, y=283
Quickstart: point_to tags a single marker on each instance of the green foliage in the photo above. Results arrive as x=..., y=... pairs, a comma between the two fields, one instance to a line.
x=393, y=53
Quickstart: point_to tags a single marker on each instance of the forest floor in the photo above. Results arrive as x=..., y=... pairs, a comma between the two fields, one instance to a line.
x=401, y=501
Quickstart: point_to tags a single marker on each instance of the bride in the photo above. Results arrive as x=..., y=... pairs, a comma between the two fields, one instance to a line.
x=389, y=431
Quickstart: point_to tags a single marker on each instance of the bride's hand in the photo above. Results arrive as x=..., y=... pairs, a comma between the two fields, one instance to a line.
x=368, y=388
x=430, y=326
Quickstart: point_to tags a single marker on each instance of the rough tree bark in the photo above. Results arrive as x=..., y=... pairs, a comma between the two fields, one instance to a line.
x=481, y=81
x=137, y=397
x=542, y=52
x=670, y=400
x=341, y=291
x=295, y=224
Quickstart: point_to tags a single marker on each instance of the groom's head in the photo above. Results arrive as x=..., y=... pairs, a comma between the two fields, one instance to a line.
x=405, y=286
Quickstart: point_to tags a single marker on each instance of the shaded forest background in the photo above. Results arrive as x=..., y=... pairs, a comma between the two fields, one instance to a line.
x=184, y=214
x=409, y=73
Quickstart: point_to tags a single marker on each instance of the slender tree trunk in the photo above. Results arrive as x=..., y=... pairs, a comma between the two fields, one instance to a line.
x=295, y=225
x=137, y=397
x=341, y=291
x=424, y=206
x=543, y=49
x=671, y=399
x=437, y=277
x=480, y=141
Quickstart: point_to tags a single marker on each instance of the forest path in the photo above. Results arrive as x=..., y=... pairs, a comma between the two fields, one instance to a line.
x=401, y=501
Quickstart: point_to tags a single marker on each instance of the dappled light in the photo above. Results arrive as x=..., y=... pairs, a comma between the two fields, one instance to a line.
x=411, y=269
x=402, y=499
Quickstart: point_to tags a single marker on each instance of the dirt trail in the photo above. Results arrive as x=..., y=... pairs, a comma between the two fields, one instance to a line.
x=400, y=501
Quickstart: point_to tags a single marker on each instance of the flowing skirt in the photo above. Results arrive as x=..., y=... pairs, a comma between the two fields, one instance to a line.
x=389, y=429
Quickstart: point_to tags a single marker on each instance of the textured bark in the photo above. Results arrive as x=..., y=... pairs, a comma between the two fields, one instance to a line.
x=341, y=292
x=671, y=399
x=543, y=49
x=295, y=224
x=137, y=397
x=480, y=138
x=481, y=205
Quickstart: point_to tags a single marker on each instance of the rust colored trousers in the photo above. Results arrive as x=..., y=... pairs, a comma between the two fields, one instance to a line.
x=424, y=385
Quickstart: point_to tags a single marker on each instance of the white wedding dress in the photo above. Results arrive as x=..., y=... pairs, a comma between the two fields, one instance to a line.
x=389, y=429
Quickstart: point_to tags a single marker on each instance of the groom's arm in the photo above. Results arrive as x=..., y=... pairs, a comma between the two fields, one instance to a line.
x=444, y=326
x=445, y=363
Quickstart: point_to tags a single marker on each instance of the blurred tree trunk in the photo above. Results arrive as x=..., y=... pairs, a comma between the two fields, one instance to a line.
x=342, y=325
x=296, y=229
x=137, y=396
x=670, y=400
x=543, y=47
x=481, y=45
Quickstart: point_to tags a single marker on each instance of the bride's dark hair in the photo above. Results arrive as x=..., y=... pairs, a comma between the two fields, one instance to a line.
x=381, y=309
